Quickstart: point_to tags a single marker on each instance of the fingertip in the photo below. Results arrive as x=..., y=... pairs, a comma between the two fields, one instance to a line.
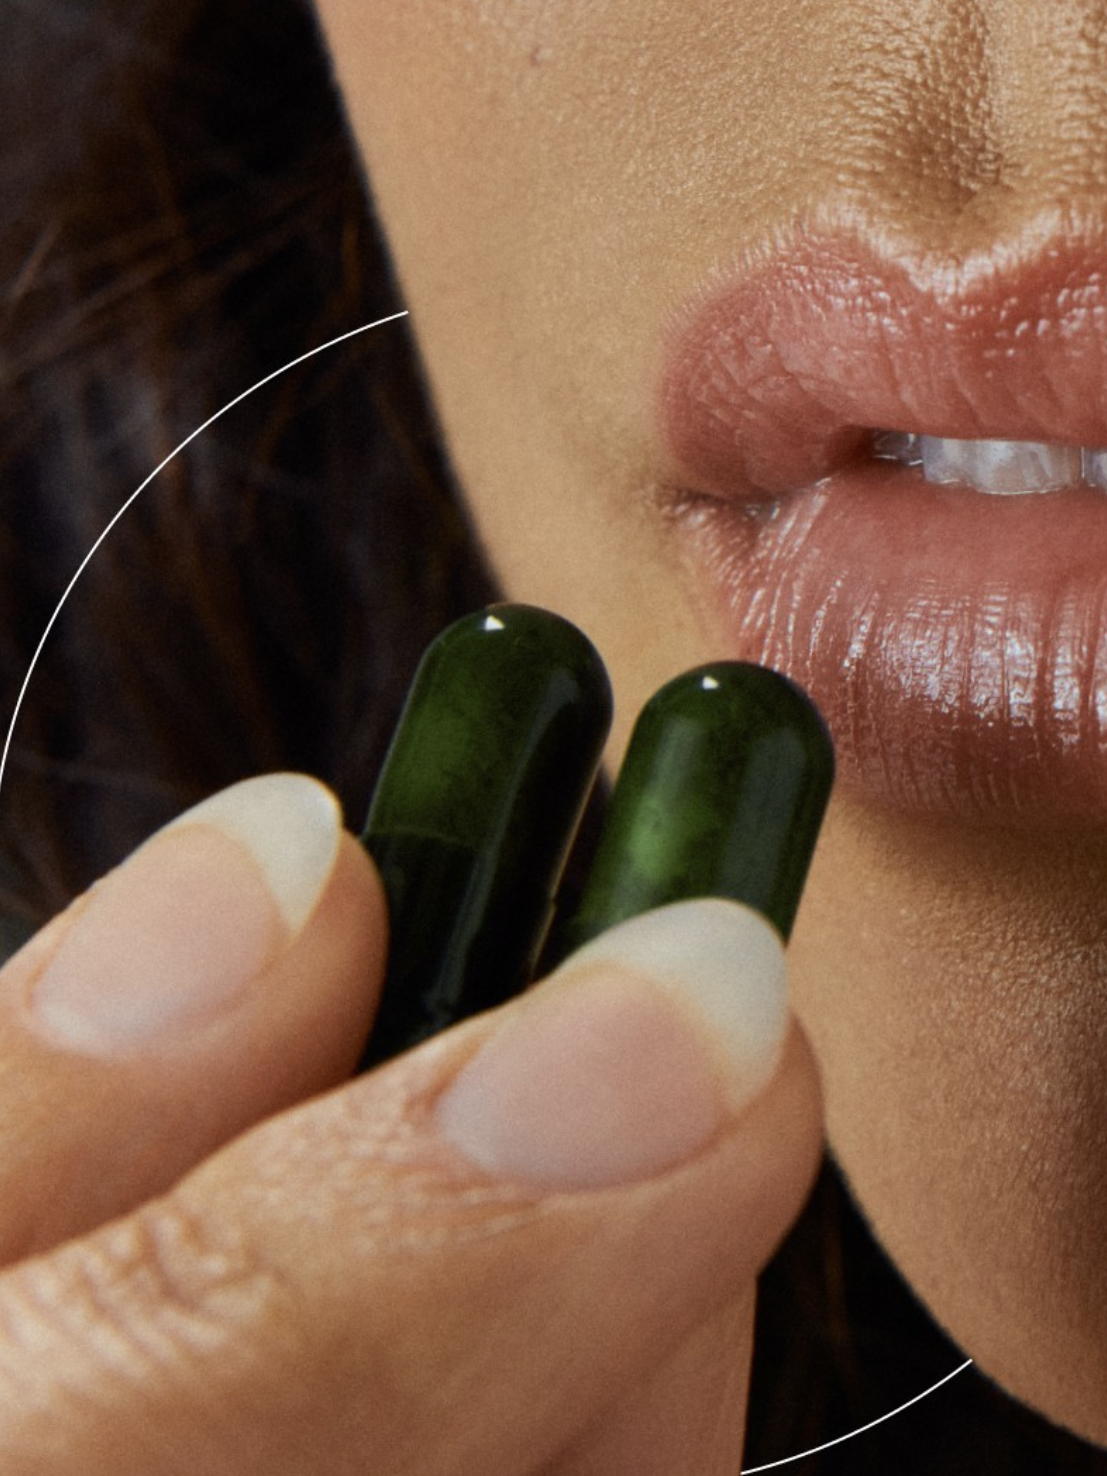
x=122, y=1081
x=635, y=1055
x=776, y=1147
x=343, y=948
x=305, y=1022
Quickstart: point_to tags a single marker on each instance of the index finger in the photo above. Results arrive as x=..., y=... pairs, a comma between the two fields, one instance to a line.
x=226, y=970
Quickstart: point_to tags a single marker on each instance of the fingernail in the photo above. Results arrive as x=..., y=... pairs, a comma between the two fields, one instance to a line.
x=176, y=933
x=632, y=1055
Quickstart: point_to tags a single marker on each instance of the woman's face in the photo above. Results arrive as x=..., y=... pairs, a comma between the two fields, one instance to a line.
x=672, y=267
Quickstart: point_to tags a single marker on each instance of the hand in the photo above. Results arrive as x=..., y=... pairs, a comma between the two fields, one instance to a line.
x=528, y=1246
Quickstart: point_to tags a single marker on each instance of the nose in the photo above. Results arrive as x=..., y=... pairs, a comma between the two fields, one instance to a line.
x=962, y=121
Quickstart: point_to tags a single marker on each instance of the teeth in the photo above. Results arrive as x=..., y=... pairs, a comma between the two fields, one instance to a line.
x=1000, y=468
x=897, y=446
x=1004, y=468
x=1095, y=468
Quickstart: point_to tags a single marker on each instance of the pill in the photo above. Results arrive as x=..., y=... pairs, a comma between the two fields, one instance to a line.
x=478, y=799
x=721, y=793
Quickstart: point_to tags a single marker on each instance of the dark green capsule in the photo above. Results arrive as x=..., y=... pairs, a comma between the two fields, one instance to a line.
x=721, y=794
x=477, y=802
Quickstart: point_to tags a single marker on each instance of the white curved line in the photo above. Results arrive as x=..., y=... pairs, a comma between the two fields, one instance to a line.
x=365, y=327
x=268, y=378
x=772, y=1465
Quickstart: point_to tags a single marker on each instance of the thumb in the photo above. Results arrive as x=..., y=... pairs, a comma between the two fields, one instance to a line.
x=459, y=1263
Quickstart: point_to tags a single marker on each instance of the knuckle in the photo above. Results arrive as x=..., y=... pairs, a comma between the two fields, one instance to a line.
x=144, y=1314
x=177, y=1283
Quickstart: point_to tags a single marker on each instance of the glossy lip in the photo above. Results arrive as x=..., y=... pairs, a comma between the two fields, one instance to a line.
x=957, y=643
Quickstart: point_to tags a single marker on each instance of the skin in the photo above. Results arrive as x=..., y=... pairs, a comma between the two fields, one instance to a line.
x=555, y=180
x=218, y=1253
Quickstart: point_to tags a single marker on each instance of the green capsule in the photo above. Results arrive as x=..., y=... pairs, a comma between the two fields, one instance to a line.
x=477, y=802
x=721, y=794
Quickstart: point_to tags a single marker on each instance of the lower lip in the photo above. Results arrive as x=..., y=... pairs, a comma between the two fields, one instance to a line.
x=955, y=642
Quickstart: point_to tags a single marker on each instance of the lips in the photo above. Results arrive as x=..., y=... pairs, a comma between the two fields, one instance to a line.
x=956, y=642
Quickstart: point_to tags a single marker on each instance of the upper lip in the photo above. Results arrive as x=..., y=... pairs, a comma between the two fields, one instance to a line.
x=781, y=368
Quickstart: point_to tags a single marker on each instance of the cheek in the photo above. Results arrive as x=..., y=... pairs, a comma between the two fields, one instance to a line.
x=635, y=111
x=424, y=61
x=368, y=37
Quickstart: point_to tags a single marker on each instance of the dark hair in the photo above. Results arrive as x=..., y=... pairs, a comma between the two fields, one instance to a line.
x=183, y=215
x=190, y=221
